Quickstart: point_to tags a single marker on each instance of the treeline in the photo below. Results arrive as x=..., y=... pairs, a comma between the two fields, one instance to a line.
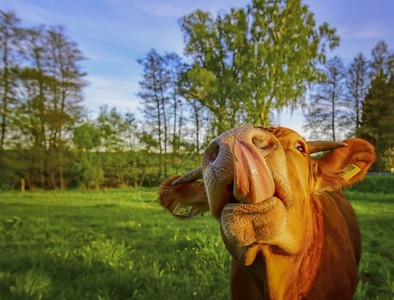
x=41, y=93
x=48, y=139
x=242, y=68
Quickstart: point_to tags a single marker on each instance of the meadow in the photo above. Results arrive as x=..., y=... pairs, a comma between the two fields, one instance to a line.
x=119, y=244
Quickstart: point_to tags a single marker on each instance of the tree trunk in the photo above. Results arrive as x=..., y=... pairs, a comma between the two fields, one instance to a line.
x=135, y=170
x=333, y=116
x=159, y=129
x=5, y=81
x=180, y=123
x=143, y=176
x=165, y=134
x=60, y=142
x=174, y=129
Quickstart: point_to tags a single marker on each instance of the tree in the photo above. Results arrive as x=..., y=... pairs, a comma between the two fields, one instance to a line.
x=382, y=60
x=259, y=58
x=34, y=95
x=116, y=131
x=193, y=87
x=85, y=138
x=357, y=83
x=41, y=82
x=326, y=112
x=153, y=92
x=66, y=87
x=50, y=83
x=377, y=120
x=10, y=36
x=111, y=126
x=377, y=109
x=175, y=67
x=31, y=120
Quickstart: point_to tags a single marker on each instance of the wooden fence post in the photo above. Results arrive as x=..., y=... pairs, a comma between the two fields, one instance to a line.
x=23, y=185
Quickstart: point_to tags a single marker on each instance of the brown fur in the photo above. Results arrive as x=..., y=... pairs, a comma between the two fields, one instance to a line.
x=317, y=253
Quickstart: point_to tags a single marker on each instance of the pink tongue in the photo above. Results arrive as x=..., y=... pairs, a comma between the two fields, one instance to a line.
x=253, y=181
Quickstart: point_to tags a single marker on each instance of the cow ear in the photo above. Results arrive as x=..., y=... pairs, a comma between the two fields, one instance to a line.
x=184, y=200
x=345, y=166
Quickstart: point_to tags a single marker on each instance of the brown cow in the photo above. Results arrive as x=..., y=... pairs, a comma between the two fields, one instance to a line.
x=283, y=217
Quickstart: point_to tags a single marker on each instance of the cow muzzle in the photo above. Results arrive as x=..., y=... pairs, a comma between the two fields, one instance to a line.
x=245, y=176
x=244, y=168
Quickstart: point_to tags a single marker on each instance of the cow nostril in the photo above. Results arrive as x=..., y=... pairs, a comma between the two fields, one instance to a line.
x=230, y=187
x=262, y=144
x=212, y=152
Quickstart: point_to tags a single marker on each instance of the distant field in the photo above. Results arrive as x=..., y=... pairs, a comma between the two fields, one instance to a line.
x=119, y=244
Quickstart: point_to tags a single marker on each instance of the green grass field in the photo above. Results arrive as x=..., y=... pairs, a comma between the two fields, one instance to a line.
x=119, y=244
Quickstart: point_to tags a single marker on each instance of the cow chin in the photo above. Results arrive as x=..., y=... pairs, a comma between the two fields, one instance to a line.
x=246, y=225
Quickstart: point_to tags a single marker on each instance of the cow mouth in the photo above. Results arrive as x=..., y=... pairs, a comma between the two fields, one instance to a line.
x=238, y=208
x=247, y=223
x=256, y=210
x=246, y=227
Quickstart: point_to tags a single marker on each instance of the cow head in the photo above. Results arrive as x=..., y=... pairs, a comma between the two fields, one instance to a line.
x=259, y=182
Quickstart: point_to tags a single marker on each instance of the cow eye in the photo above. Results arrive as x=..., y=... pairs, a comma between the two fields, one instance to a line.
x=300, y=147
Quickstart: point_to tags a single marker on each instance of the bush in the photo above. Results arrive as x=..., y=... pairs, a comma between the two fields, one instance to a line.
x=375, y=184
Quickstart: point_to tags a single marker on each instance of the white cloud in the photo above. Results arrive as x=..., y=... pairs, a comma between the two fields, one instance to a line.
x=106, y=91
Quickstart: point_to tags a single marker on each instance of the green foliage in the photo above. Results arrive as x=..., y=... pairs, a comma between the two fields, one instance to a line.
x=378, y=122
x=383, y=184
x=10, y=37
x=119, y=244
x=246, y=64
x=43, y=65
x=86, y=137
x=258, y=59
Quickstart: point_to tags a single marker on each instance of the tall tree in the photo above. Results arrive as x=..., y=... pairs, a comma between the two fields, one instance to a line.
x=31, y=120
x=66, y=87
x=326, y=111
x=261, y=58
x=357, y=84
x=10, y=36
x=153, y=92
x=34, y=95
x=377, y=119
x=382, y=60
x=175, y=67
x=377, y=116
x=193, y=88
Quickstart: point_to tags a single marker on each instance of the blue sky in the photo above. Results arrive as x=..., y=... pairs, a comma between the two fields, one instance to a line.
x=113, y=34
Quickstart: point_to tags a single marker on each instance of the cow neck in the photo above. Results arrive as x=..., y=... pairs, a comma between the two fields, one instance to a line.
x=336, y=276
x=299, y=283
x=311, y=258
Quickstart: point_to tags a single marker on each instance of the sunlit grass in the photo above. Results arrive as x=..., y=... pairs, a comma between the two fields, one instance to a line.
x=375, y=213
x=119, y=244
